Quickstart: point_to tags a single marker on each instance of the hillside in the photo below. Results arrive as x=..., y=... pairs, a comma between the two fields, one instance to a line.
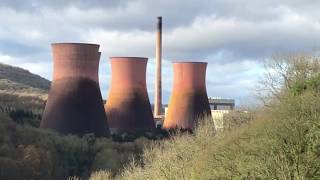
x=22, y=94
x=20, y=82
x=27, y=152
x=22, y=76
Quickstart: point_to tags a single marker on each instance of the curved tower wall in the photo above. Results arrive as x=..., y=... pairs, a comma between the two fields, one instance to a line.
x=189, y=101
x=128, y=107
x=74, y=104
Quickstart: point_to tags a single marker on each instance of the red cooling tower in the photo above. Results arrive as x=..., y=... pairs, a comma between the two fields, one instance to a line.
x=128, y=108
x=188, y=101
x=75, y=105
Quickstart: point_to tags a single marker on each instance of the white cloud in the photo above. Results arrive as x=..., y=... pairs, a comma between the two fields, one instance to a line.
x=132, y=43
x=234, y=36
x=42, y=68
x=7, y=59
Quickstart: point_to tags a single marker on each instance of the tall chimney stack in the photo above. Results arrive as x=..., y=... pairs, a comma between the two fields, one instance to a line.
x=158, y=87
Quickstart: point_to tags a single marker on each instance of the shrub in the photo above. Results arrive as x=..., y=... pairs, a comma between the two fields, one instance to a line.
x=280, y=141
x=41, y=154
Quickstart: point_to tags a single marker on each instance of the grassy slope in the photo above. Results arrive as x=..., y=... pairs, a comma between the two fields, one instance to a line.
x=22, y=94
x=20, y=89
x=280, y=143
x=23, y=76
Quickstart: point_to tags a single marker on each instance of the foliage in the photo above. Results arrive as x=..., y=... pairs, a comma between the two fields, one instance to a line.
x=22, y=77
x=280, y=141
x=31, y=153
x=235, y=119
x=312, y=84
x=287, y=72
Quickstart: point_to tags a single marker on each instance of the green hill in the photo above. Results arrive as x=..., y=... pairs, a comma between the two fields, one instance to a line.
x=23, y=77
x=18, y=82
x=22, y=94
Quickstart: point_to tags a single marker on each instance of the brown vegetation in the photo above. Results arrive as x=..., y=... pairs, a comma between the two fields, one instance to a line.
x=279, y=141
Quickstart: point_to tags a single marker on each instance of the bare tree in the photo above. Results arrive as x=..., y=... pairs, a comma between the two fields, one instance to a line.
x=282, y=71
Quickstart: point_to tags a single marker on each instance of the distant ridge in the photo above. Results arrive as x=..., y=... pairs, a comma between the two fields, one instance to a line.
x=22, y=95
x=22, y=76
x=20, y=89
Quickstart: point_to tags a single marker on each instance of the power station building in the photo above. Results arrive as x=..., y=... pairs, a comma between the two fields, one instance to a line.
x=219, y=108
x=221, y=104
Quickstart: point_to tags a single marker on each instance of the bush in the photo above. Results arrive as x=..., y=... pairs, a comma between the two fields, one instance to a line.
x=280, y=141
x=235, y=119
x=40, y=154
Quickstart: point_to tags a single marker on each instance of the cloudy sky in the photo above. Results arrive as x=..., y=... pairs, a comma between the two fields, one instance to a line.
x=234, y=36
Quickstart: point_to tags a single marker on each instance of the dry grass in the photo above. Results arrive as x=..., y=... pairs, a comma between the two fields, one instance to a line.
x=279, y=143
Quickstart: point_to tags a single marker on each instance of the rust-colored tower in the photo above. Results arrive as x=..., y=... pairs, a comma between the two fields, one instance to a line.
x=189, y=100
x=75, y=105
x=157, y=111
x=128, y=108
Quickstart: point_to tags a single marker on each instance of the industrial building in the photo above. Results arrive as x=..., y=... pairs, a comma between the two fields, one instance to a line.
x=221, y=104
x=219, y=108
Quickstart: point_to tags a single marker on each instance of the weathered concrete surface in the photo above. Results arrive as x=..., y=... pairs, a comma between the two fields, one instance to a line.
x=128, y=108
x=75, y=105
x=189, y=100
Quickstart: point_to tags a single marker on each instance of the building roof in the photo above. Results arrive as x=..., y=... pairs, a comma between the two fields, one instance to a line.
x=221, y=101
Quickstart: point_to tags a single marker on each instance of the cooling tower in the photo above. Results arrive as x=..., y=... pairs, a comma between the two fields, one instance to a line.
x=74, y=104
x=188, y=101
x=128, y=108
